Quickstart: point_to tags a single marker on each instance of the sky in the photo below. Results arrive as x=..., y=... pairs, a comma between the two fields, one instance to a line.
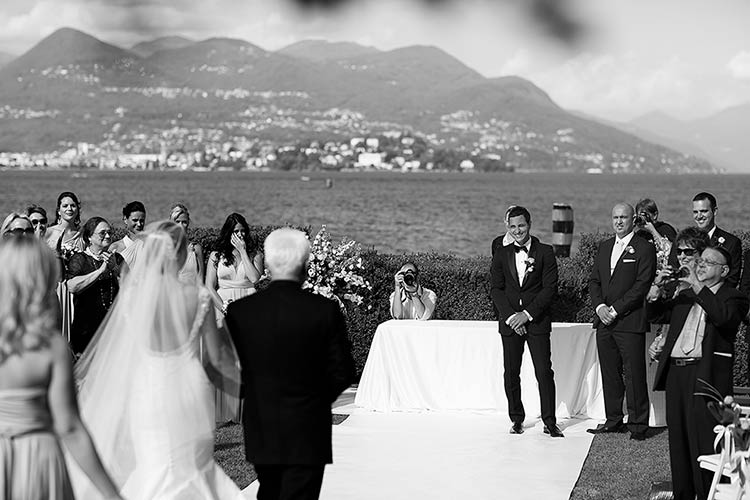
x=688, y=58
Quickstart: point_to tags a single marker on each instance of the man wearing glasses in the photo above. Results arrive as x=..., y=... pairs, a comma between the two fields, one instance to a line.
x=38, y=218
x=703, y=321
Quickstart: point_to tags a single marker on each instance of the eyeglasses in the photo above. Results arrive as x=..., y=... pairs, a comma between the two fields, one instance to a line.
x=709, y=263
x=36, y=222
x=20, y=232
x=689, y=252
x=102, y=234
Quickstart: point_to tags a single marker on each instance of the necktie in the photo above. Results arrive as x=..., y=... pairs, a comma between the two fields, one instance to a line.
x=694, y=323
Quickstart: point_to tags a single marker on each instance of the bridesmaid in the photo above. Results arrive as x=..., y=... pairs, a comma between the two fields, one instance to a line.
x=38, y=406
x=65, y=238
x=232, y=272
x=134, y=218
x=235, y=266
x=192, y=271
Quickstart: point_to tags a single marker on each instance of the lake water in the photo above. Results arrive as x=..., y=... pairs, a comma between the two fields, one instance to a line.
x=456, y=213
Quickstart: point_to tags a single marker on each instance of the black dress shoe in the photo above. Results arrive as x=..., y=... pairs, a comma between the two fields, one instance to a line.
x=553, y=431
x=517, y=428
x=604, y=428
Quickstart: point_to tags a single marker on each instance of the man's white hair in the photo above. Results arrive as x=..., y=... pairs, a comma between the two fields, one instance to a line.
x=287, y=251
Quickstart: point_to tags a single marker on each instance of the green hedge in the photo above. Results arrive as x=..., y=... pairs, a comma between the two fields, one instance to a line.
x=462, y=286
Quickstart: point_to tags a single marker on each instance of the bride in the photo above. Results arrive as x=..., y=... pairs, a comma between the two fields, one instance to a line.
x=145, y=381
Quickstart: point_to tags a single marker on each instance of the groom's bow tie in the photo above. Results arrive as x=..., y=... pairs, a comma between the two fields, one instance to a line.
x=520, y=249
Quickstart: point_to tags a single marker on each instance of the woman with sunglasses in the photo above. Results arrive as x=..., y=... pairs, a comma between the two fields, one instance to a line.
x=234, y=267
x=192, y=271
x=93, y=278
x=38, y=218
x=16, y=224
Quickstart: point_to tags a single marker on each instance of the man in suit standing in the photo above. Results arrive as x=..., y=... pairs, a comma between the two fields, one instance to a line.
x=524, y=282
x=296, y=360
x=623, y=270
x=704, y=215
x=703, y=321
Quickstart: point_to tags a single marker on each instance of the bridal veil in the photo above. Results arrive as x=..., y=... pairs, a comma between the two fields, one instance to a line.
x=157, y=345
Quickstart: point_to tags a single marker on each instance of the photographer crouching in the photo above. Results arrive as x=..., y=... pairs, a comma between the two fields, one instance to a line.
x=410, y=300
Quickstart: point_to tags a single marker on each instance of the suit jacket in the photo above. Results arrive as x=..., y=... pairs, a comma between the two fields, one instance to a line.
x=535, y=295
x=733, y=245
x=296, y=360
x=627, y=287
x=724, y=311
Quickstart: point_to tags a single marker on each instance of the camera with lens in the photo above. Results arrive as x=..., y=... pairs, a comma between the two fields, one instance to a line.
x=410, y=277
x=682, y=272
x=643, y=218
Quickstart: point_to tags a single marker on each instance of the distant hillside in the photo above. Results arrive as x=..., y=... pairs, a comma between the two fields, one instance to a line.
x=71, y=88
x=5, y=58
x=322, y=50
x=145, y=49
x=723, y=136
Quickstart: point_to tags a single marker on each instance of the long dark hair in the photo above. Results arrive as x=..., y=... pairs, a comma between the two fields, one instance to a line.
x=224, y=246
x=72, y=196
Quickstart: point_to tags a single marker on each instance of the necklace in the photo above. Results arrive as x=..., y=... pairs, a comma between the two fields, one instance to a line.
x=106, y=301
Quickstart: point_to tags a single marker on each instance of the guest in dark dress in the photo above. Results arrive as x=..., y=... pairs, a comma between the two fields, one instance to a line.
x=93, y=278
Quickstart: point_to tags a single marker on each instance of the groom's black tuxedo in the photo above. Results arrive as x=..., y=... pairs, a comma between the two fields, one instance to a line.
x=534, y=295
x=296, y=360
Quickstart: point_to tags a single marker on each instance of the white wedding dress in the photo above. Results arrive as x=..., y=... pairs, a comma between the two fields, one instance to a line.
x=144, y=390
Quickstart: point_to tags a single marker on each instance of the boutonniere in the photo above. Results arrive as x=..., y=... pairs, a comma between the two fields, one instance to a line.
x=721, y=240
x=529, y=265
x=629, y=249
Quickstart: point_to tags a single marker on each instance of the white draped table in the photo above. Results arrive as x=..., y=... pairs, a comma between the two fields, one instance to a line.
x=458, y=365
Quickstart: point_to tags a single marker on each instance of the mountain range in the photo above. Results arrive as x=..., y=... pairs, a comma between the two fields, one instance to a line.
x=72, y=87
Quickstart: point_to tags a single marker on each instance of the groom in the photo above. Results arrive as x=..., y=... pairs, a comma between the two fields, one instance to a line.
x=296, y=360
x=524, y=283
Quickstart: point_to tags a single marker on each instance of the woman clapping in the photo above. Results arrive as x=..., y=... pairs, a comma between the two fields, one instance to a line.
x=93, y=278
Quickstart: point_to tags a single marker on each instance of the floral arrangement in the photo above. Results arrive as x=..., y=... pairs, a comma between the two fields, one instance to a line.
x=335, y=270
x=733, y=430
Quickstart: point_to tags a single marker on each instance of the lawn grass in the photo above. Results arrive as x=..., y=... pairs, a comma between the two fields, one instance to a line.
x=616, y=468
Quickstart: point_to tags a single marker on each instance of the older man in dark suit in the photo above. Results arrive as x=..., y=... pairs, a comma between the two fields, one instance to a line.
x=296, y=360
x=524, y=282
x=703, y=321
x=623, y=270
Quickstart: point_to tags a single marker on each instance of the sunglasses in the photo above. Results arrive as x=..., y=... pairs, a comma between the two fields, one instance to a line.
x=20, y=232
x=710, y=263
x=102, y=234
x=36, y=222
x=689, y=252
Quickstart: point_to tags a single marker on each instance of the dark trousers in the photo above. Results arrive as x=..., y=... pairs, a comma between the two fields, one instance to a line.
x=690, y=427
x=289, y=482
x=539, y=345
x=623, y=354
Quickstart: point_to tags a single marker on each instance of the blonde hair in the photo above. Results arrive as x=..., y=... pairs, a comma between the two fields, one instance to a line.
x=10, y=219
x=28, y=303
x=178, y=210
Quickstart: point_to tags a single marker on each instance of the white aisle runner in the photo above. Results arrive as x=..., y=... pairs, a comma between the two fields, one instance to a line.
x=448, y=456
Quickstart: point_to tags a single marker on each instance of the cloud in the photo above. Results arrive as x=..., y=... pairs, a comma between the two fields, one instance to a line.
x=518, y=63
x=739, y=66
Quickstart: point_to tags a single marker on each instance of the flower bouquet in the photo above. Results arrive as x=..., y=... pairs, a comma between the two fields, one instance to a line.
x=335, y=270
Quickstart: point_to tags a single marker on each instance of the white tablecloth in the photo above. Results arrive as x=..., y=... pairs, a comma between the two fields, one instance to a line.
x=458, y=365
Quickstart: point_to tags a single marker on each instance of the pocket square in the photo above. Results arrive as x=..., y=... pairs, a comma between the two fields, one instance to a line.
x=628, y=260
